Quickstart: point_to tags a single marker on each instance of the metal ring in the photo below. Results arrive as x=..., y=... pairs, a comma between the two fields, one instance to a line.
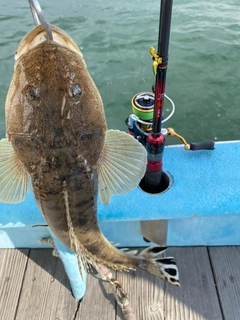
x=39, y=18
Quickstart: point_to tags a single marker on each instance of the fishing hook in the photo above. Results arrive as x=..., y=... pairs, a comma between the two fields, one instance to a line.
x=39, y=18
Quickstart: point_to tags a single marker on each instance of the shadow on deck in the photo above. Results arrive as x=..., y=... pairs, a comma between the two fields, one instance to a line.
x=34, y=286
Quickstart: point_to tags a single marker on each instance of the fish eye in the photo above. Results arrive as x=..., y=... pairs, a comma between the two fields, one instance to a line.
x=75, y=90
x=32, y=93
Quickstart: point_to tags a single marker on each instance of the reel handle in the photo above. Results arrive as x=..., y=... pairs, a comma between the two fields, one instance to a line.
x=205, y=145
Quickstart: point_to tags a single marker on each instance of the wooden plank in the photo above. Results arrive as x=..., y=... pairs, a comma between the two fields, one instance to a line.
x=98, y=302
x=12, y=269
x=197, y=298
x=46, y=292
x=146, y=295
x=226, y=267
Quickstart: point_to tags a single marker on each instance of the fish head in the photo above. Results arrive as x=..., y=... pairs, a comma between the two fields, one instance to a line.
x=52, y=98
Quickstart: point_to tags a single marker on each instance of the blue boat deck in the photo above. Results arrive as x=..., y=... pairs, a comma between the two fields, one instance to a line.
x=34, y=286
x=202, y=209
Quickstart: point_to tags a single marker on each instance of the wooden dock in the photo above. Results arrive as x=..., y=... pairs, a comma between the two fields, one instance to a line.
x=34, y=286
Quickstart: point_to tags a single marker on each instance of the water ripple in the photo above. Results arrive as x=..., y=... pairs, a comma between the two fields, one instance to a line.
x=115, y=37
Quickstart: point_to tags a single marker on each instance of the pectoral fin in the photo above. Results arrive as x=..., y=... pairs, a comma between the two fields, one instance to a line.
x=14, y=181
x=121, y=166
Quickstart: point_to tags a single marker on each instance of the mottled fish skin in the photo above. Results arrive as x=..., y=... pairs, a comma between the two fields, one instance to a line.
x=59, y=137
x=56, y=126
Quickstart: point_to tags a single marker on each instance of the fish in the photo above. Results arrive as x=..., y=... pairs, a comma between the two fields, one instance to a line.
x=58, y=144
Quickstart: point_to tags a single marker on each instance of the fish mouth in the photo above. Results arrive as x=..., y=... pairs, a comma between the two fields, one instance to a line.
x=38, y=35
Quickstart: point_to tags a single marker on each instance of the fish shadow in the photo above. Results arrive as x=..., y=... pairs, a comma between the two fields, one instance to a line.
x=104, y=287
x=40, y=262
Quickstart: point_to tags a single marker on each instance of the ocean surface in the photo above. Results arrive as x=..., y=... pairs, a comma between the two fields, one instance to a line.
x=115, y=36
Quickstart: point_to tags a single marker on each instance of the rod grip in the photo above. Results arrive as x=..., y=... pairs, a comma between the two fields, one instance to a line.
x=205, y=145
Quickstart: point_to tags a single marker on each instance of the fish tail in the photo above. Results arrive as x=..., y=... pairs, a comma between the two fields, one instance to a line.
x=164, y=268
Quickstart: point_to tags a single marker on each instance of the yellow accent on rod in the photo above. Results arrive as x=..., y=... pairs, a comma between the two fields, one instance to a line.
x=156, y=60
x=172, y=133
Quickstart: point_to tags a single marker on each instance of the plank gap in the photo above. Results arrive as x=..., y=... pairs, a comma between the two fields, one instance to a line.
x=164, y=301
x=225, y=261
x=12, y=268
x=24, y=273
x=99, y=301
x=215, y=282
x=77, y=309
x=196, y=299
x=46, y=290
x=145, y=295
x=35, y=286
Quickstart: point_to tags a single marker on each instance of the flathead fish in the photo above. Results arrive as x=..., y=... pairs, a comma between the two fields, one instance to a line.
x=57, y=141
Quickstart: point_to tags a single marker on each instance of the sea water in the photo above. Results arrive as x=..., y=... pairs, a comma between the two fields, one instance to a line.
x=203, y=75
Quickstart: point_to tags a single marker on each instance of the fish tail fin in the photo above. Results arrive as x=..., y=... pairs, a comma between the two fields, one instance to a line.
x=164, y=268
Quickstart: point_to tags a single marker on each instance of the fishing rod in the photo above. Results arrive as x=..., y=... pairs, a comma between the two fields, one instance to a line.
x=156, y=139
x=145, y=124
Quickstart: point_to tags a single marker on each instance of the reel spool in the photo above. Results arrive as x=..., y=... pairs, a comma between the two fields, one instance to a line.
x=142, y=107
